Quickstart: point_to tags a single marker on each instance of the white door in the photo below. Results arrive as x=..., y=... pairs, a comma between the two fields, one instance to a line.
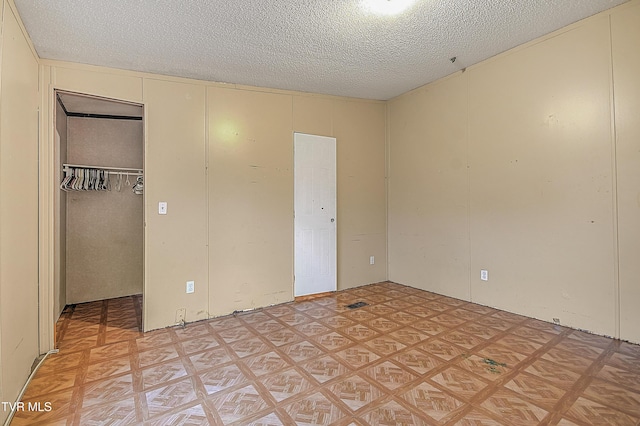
x=315, y=214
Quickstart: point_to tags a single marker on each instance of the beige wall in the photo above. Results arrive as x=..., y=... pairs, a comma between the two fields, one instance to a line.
x=541, y=204
x=176, y=243
x=625, y=33
x=18, y=207
x=510, y=167
x=250, y=199
x=250, y=188
x=359, y=129
x=428, y=189
x=104, y=238
x=221, y=157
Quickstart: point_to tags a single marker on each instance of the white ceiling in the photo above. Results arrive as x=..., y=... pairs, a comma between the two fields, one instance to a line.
x=322, y=46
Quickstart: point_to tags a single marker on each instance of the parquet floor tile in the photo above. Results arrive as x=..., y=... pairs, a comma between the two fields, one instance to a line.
x=392, y=413
x=356, y=392
x=460, y=382
x=409, y=357
x=286, y=384
x=315, y=409
x=432, y=401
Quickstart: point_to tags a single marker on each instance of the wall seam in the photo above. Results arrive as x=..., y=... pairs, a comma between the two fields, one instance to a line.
x=207, y=198
x=293, y=191
x=387, y=168
x=145, y=210
x=467, y=145
x=2, y=415
x=614, y=189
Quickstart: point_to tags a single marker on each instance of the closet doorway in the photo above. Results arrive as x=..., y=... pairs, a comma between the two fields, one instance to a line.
x=99, y=229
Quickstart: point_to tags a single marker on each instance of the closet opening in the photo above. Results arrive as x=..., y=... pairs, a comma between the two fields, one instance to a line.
x=99, y=225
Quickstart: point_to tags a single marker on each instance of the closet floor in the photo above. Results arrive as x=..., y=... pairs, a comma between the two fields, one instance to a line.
x=409, y=357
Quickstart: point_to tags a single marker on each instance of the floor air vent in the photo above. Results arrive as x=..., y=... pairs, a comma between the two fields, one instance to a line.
x=357, y=305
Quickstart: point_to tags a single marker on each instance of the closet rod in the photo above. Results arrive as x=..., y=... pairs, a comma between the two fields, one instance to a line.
x=103, y=116
x=117, y=169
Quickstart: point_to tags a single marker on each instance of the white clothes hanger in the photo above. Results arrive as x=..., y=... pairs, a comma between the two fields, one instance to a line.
x=68, y=176
x=119, y=182
x=80, y=179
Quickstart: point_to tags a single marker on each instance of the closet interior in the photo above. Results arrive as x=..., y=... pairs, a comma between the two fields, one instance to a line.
x=99, y=230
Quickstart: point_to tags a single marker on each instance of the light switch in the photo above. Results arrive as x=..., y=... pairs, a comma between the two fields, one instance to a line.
x=162, y=207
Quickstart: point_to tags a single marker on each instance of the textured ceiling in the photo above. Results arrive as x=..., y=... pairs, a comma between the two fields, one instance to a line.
x=323, y=46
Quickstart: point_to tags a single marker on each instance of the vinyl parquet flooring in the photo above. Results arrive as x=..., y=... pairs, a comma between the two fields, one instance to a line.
x=410, y=357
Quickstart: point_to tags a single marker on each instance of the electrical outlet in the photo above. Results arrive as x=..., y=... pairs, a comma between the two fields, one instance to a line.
x=372, y=260
x=191, y=286
x=181, y=315
x=484, y=275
